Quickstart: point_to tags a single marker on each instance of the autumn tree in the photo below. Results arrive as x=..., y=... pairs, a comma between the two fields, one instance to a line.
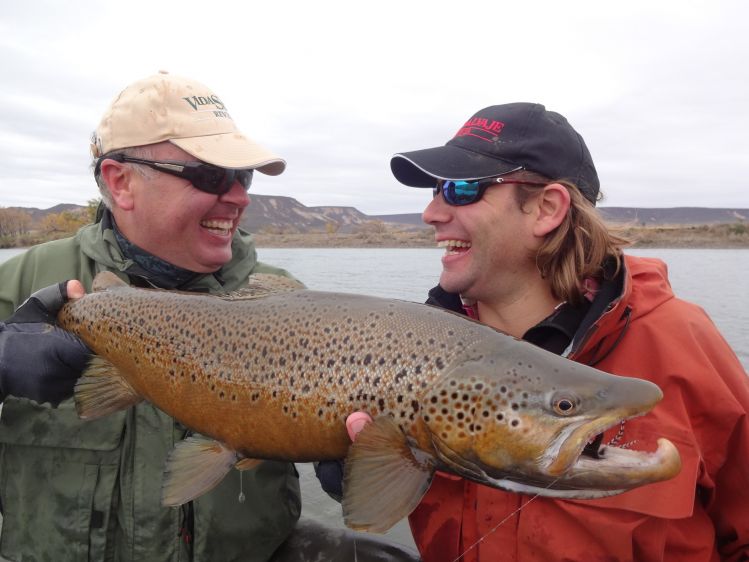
x=14, y=222
x=65, y=223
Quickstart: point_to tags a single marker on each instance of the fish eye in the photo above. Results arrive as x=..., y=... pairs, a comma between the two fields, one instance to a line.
x=564, y=405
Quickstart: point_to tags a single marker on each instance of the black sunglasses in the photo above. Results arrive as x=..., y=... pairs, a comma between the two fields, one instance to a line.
x=465, y=192
x=205, y=177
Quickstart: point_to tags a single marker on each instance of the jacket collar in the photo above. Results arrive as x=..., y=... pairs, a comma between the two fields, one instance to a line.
x=99, y=243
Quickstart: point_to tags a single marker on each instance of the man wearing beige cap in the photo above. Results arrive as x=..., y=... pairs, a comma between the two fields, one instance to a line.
x=173, y=171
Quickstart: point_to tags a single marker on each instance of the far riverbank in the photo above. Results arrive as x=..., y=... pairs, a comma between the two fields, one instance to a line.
x=716, y=236
x=725, y=236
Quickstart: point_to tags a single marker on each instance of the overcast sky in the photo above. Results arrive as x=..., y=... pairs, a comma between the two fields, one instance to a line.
x=659, y=89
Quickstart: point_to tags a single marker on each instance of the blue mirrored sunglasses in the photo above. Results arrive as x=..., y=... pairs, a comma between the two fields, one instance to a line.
x=205, y=177
x=463, y=192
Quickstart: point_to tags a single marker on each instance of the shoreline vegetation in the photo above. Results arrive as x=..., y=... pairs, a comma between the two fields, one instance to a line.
x=276, y=227
x=728, y=236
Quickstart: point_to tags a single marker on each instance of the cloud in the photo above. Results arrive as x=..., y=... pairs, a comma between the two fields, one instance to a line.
x=657, y=89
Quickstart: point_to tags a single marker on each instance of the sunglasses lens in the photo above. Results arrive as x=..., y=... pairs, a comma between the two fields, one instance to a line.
x=210, y=179
x=219, y=180
x=244, y=177
x=460, y=192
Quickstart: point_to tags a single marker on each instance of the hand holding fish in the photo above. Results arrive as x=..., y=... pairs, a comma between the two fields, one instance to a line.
x=330, y=473
x=356, y=422
x=38, y=360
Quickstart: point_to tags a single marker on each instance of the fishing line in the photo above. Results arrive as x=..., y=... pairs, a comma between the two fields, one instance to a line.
x=241, y=497
x=474, y=545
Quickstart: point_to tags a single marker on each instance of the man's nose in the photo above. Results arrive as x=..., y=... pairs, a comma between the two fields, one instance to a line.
x=437, y=211
x=237, y=195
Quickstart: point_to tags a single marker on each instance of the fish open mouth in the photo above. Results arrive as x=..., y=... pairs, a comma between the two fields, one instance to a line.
x=593, y=447
x=582, y=466
x=575, y=465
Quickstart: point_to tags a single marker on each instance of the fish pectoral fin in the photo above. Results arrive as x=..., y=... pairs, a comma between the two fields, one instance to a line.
x=384, y=477
x=194, y=467
x=248, y=464
x=102, y=390
x=262, y=285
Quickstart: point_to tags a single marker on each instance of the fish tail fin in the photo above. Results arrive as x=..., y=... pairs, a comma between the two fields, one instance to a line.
x=102, y=390
x=194, y=467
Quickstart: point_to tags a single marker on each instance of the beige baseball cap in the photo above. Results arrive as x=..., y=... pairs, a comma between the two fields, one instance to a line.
x=165, y=107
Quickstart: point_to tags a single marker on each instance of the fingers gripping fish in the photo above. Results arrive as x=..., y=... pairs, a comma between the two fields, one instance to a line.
x=271, y=374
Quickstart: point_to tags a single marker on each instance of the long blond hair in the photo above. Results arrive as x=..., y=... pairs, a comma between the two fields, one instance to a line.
x=578, y=248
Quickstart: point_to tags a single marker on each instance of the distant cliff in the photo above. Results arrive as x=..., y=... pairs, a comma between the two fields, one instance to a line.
x=270, y=214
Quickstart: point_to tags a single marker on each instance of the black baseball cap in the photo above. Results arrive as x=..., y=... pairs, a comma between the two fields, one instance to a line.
x=500, y=139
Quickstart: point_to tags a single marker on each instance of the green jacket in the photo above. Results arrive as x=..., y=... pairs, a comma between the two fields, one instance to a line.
x=74, y=490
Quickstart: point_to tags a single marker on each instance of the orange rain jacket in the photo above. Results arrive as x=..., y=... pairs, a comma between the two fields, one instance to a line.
x=701, y=515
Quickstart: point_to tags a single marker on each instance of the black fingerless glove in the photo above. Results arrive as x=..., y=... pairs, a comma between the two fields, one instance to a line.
x=38, y=360
x=330, y=475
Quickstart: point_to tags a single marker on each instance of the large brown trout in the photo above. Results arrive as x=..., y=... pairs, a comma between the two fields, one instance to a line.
x=273, y=374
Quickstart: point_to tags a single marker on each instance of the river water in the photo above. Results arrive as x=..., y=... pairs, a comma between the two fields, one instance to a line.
x=717, y=280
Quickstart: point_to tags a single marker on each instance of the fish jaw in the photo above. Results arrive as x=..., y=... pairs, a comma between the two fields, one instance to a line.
x=614, y=471
x=524, y=426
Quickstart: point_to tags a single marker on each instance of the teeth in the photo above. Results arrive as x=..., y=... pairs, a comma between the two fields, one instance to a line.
x=224, y=226
x=452, y=245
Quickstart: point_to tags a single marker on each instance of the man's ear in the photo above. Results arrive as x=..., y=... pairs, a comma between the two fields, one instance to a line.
x=119, y=179
x=553, y=203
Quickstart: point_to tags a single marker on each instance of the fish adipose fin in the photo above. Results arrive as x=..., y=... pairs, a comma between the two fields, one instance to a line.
x=262, y=285
x=384, y=477
x=102, y=390
x=194, y=467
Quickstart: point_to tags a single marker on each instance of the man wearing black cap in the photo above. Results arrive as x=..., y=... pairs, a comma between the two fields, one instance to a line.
x=527, y=253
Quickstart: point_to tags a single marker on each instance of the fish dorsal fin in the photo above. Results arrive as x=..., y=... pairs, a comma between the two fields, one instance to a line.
x=262, y=285
x=107, y=280
x=102, y=390
x=195, y=466
x=384, y=477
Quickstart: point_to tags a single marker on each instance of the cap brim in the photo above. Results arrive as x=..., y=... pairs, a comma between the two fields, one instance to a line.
x=232, y=150
x=421, y=168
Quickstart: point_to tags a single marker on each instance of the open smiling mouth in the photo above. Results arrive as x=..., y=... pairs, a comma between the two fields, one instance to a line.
x=454, y=247
x=221, y=227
